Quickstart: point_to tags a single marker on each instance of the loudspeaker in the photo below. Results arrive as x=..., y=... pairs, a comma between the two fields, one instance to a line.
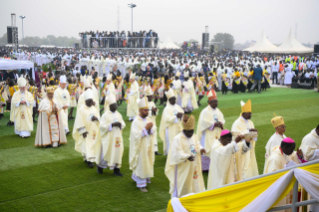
x=9, y=34
x=316, y=48
x=212, y=49
x=77, y=45
x=205, y=40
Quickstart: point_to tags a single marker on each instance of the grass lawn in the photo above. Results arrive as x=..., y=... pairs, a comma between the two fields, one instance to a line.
x=57, y=179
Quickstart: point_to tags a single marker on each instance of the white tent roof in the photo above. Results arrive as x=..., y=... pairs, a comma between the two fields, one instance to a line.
x=6, y=64
x=263, y=45
x=168, y=44
x=291, y=45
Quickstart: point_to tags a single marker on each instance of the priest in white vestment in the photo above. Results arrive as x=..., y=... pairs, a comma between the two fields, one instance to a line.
x=183, y=166
x=133, y=95
x=86, y=130
x=62, y=99
x=210, y=124
x=223, y=167
x=152, y=114
x=81, y=100
x=177, y=87
x=22, y=110
x=189, y=102
x=247, y=163
x=109, y=89
x=310, y=145
x=50, y=131
x=111, y=148
x=275, y=140
x=141, y=156
x=171, y=121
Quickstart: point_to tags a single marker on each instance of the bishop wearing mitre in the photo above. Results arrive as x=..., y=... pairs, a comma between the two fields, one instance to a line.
x=171, y=122
x=246, y=163
x=21, y=110
x=111, y=148
x=50, y=131
x=62, y=99
x=141, y=156
x=210, y=124
x=183, y=166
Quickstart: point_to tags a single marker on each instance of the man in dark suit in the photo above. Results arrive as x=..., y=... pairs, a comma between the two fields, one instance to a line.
x=3, y=75
x=257, y=76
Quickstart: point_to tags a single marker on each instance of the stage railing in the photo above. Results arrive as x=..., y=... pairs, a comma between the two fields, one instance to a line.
x=120, y=42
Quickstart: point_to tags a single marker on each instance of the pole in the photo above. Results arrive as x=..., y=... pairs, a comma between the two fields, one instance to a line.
x=132, y=19
x=22, y=33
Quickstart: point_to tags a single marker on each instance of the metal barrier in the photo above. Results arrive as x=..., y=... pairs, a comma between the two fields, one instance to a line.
x=120, y=42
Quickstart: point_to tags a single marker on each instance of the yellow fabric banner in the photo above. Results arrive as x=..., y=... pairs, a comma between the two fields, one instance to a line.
x=235, y=197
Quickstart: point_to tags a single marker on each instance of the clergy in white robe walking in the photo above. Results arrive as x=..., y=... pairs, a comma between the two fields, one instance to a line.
x=141, y=156
x=310, y=145
x=171, y=121
x=246, y=164
x=183, y=166
x=86, y=130
x=275, y=140
x=223, y=168
x=50, y=131
x=189, y=102
x=133, y=95
x=62, y=99
x=152, y=114
x=21, y=110
x=110, y=150
x=210, y=124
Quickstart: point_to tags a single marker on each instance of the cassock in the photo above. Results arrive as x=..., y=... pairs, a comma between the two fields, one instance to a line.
x=310, y=146
x=133, y=95
x=83, y=123
x=185, y=176
x=177, y=87
x=141, y=155
x=21, y=114
x=111, y=148
x=148, y=92
x=170, y=125
x=246, y=163
x=50, y=129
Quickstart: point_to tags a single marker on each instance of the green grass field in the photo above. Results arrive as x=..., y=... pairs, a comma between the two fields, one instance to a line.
x=57, y=179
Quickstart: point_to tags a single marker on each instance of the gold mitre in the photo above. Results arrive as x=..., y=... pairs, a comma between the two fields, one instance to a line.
x=188, y=122
x=246, y=107
x=50, y=89
x=277, y=121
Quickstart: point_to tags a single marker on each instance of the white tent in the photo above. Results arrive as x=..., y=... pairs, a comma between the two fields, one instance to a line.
x=263, y=45
x=6, y=64
x=291, y=45
x=168, y=44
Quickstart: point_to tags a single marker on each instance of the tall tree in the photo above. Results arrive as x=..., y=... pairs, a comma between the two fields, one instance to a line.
x=226, y=39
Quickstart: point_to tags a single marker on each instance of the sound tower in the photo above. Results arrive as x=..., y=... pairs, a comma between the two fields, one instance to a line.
x=9, y=34
x=316, y=48
x=205, y=40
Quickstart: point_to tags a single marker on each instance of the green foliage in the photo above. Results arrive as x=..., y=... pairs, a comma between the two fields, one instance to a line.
x=226, y=39
x=45, y=67
x=57, y=179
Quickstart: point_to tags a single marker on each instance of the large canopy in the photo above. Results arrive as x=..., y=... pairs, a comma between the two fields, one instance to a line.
x=168, y=44
x=6, y=64
x=263, y=45
x=291, y=45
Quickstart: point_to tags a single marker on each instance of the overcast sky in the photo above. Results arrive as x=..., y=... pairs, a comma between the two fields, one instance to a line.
x=180, y=19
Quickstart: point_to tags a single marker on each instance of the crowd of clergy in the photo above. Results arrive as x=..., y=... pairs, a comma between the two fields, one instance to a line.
x=227, y=154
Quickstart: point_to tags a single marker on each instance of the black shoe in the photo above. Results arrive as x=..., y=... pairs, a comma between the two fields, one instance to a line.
x=71, y=117
x=34, y=121
x=90, y=164
x=157, y=153
x=85, y=161
x=99, y=170
x=48, y=146
x=117, y=172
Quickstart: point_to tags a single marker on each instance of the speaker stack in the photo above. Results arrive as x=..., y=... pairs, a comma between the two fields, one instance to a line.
x=316, y=48
x=9, y=34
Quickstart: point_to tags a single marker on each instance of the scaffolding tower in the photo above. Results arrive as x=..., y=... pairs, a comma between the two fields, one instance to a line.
x=15, y=39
